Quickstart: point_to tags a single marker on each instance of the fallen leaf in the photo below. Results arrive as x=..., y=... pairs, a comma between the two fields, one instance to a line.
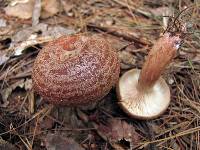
x=29, y=36
x=30, y=41
x=117, y=130
x=21, y=10
x=59, y=142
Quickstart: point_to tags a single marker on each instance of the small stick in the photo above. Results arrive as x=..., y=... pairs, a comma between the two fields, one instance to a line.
x=119, y=33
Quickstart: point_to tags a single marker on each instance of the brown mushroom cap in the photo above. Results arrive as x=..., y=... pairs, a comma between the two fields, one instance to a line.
x=75, y=70
x=142, y=105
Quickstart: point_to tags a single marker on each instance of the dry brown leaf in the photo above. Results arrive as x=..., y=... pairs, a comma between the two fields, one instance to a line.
x=118, y=130
x=21, y=10
x=59, y=142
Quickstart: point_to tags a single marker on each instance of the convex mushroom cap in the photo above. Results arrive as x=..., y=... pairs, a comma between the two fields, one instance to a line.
x=75, y=70
x=144, y=94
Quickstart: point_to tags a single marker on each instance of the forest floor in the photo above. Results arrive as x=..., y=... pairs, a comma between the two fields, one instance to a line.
x=131, y=26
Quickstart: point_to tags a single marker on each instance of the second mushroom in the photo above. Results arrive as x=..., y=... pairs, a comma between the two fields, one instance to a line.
x=144, y=94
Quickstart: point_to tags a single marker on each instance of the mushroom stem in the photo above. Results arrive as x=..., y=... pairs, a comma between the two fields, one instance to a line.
x=159, y=57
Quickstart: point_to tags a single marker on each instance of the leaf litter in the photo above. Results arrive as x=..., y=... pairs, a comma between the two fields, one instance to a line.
x=118, y=130
x=26, y=122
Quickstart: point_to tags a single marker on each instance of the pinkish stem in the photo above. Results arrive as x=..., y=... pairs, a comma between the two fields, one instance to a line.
x=159, y=57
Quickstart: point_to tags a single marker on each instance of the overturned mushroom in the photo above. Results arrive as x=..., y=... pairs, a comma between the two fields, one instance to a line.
x=144, y=94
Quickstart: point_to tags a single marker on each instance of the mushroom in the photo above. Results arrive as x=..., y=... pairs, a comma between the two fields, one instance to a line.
x=75, y=70
x=144, y=94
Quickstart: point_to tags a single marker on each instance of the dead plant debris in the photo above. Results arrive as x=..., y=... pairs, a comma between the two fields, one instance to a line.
x=132, y=26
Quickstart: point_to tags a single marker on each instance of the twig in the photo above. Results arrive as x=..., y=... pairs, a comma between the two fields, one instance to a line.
x=137, y=10
x=119, y=33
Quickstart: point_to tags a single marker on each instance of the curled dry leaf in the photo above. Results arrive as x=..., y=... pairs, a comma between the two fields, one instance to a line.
x=59, y=142
x=117, y=130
